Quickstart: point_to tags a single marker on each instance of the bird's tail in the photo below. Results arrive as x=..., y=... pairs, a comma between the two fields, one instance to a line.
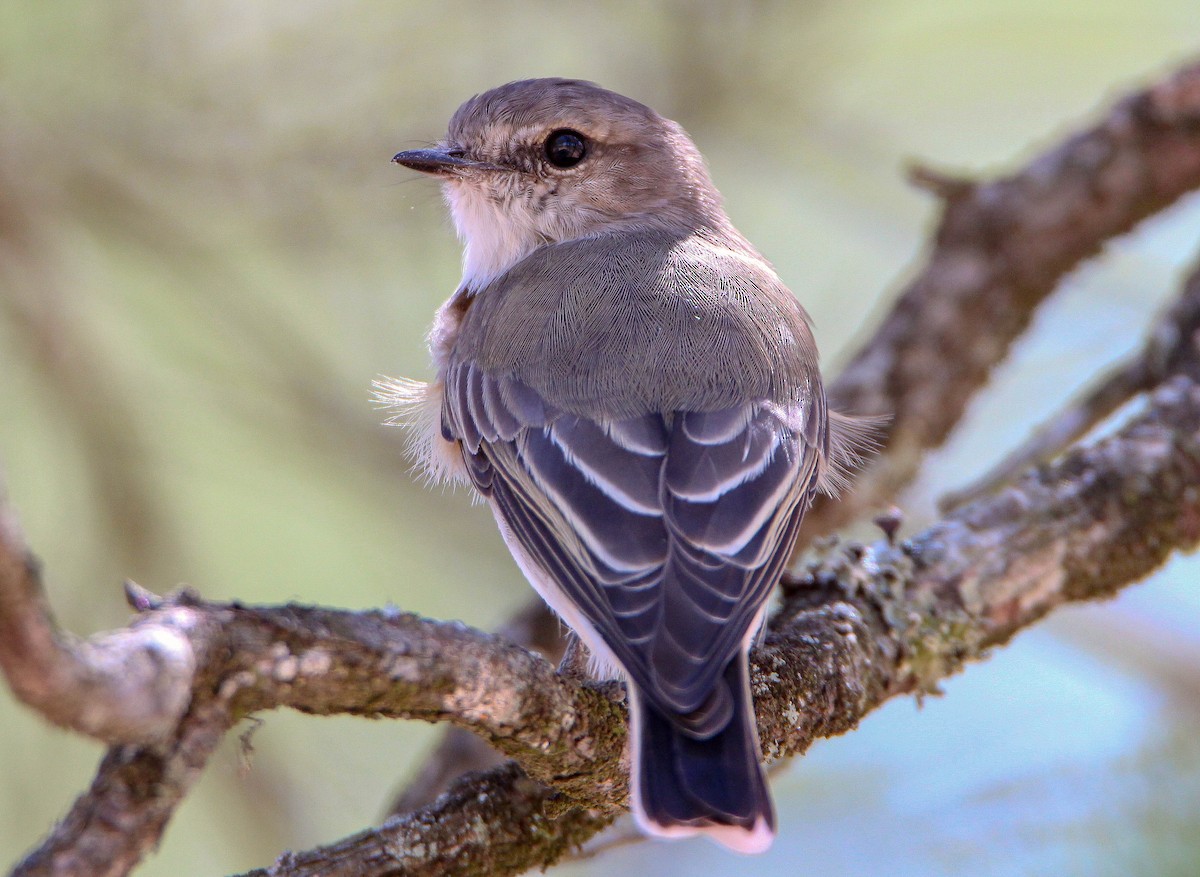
x=685, y=785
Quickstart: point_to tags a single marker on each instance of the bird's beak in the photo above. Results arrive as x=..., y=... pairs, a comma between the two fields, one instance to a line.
x=441, y=162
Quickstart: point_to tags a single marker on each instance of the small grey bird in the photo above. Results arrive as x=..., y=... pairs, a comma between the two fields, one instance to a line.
x=636, y=394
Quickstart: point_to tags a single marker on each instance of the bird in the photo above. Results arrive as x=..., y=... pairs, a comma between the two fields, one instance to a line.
x=636, y=394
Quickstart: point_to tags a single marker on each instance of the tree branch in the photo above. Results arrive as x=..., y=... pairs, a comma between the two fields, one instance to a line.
x=459, y=751
x=498, y=822
x=128, y=686
x=999, y=250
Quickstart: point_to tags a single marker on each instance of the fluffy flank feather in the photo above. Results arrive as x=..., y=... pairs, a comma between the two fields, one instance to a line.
x=417, y=407
x=851, y=441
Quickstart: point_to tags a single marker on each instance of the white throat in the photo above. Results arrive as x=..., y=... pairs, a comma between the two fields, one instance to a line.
x=493, y=234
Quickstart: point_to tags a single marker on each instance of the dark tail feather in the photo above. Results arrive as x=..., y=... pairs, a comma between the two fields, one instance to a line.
x=684, y=785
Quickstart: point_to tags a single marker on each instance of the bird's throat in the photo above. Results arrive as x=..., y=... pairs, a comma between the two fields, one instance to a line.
x=493, y=233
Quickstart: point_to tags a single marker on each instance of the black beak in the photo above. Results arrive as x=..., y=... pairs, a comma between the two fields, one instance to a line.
x=440, y=162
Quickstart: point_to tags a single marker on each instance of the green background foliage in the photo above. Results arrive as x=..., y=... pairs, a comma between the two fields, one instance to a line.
x=205, y=258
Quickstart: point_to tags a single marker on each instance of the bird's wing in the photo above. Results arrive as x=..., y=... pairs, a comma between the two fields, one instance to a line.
x=666, y=531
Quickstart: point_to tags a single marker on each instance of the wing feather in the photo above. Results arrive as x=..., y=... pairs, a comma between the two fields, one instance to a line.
x=630, y=478
x=667, y=532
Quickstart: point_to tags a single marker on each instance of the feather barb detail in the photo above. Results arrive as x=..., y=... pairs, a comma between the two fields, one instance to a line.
x=416, y=406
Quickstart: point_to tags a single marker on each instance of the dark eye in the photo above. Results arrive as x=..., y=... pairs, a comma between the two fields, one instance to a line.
x=565, y=148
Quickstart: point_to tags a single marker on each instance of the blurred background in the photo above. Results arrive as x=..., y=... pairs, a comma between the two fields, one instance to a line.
x=205, y=258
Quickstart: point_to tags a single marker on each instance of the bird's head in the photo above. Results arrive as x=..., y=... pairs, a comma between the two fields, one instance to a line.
x=541, y=161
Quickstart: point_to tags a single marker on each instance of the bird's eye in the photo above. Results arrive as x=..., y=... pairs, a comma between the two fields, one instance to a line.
x=565, y=148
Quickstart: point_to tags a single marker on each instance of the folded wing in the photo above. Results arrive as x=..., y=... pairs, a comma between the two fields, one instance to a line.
x=667, y=531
